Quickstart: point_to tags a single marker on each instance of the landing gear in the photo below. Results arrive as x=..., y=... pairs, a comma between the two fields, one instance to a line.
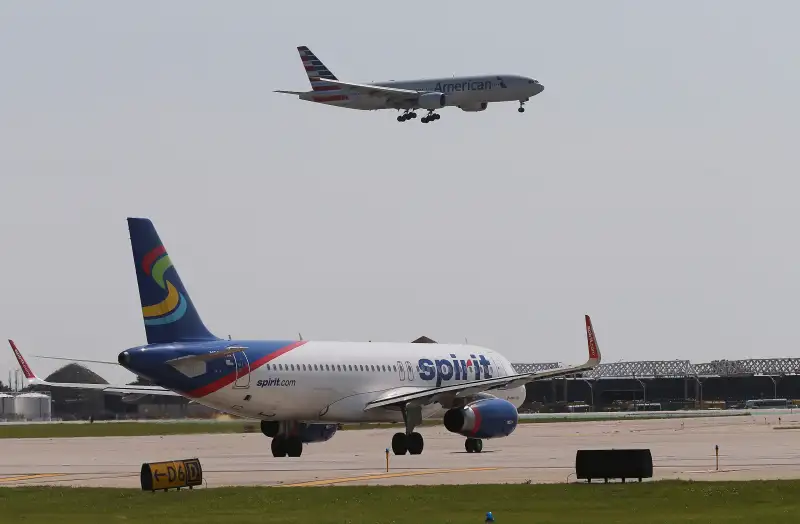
x=408, y=115
x=286, y=446
x=430, y=117
x=522, y=103
x=410, y=441
x=473, y=445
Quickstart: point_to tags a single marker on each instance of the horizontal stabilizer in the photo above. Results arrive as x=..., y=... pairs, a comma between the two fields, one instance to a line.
x=119, y=389
x=205, y=357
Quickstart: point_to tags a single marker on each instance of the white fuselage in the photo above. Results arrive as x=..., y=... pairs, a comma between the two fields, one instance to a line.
x=334, y=381
x=467, y=92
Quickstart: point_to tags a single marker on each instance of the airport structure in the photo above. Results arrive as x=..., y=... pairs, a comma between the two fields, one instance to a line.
x=620, y=386
x=668, y=385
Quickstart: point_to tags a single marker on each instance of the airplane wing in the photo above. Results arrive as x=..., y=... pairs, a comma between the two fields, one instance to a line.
x=467, y=389
x=370, y=90
x=120, y=389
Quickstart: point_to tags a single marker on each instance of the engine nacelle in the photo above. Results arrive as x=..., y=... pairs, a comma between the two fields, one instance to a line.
x=306, y=432
x=487, y=418
x=432, y=101
x=474, y=107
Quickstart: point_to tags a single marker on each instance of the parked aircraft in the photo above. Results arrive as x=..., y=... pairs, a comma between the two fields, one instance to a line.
x=301, y=390
x=468, y=93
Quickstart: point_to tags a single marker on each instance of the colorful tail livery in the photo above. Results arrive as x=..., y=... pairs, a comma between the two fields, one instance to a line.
x=316, y=70
x=167, y=310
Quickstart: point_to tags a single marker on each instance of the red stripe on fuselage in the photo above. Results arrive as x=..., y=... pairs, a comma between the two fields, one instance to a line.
x=227, y=379
x=149, y=258
x=325, y=88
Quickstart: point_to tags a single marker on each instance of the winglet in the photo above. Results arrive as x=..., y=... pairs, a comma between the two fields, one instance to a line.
x=594, y=348
x=26, y=369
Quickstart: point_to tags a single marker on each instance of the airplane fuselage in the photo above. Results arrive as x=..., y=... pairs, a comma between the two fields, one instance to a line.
x=470, y=93
x=316, y=381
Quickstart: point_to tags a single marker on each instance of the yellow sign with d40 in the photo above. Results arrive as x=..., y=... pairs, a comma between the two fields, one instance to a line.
x=175, y=474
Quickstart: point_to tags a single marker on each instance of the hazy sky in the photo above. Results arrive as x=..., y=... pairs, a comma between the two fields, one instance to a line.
x=653, y=184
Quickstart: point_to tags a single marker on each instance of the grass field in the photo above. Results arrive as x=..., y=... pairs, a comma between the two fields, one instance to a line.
x=120, y=429
x=650, y=503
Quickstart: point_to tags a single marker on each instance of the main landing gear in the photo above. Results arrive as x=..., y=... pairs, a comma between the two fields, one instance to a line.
x=283, y=446
x=430, y=117
x=410, y=441
x=473, y=445
x=408, y=115
x=284, y=443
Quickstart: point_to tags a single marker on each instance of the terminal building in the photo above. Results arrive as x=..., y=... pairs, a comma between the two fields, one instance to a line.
x=668, y=385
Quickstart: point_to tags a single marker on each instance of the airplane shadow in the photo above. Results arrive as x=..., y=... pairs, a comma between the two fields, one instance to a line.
x=466, y=453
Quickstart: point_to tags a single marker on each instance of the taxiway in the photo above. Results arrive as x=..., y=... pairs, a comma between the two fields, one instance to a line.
x=751, y=447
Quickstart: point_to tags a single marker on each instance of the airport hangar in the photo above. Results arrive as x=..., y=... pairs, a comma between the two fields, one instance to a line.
x=644, y=385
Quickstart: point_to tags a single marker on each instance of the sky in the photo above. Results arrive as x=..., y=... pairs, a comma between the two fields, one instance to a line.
x=652, y=184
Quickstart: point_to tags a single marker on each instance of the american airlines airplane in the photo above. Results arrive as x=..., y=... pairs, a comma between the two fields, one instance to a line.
x=301, y=390
x=468, y=93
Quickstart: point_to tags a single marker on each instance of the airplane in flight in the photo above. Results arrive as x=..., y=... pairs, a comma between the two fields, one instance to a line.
x=301, y=390
x=468, y=93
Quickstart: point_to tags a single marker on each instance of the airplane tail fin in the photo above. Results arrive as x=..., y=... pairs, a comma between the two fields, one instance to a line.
x=30, y=376
x=167, y=310
x=315, y=70
x=594, y=348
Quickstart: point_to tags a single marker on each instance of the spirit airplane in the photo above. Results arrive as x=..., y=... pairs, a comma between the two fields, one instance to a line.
x=468, y=93
x=301, y=390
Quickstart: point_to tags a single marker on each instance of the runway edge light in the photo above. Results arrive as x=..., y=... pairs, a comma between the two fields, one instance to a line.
x=175, y=474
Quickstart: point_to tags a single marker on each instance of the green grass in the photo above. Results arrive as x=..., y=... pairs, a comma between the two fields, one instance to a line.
x=120, y=429
x=650, y=503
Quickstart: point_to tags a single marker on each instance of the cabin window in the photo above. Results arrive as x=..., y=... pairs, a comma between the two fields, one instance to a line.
x=362, y=367
x=304, y=367
x=327, y=368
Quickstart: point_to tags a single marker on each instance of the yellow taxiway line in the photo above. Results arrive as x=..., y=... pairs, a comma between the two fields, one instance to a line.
x=30, y=477
x=379, y=476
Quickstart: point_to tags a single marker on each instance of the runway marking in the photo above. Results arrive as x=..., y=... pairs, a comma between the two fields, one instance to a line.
x=30, y=477
x=379, y=476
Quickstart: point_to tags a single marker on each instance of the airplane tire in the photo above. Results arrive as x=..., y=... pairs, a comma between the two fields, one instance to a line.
x=415, y=443
x=294, y=446
x=521, y=109
x=399, y=444
x=473, y=445
x=278, y=447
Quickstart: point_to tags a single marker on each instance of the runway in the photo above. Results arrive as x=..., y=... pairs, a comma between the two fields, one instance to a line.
x=750, y=448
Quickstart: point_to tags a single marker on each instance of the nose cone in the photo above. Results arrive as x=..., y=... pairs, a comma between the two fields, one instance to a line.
x=124, y=359
x=538, y=89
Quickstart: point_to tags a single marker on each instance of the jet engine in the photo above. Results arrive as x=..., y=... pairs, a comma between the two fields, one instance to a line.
x=474, y=107
x=306, y=432
x=486, y=418
x=432, y=101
